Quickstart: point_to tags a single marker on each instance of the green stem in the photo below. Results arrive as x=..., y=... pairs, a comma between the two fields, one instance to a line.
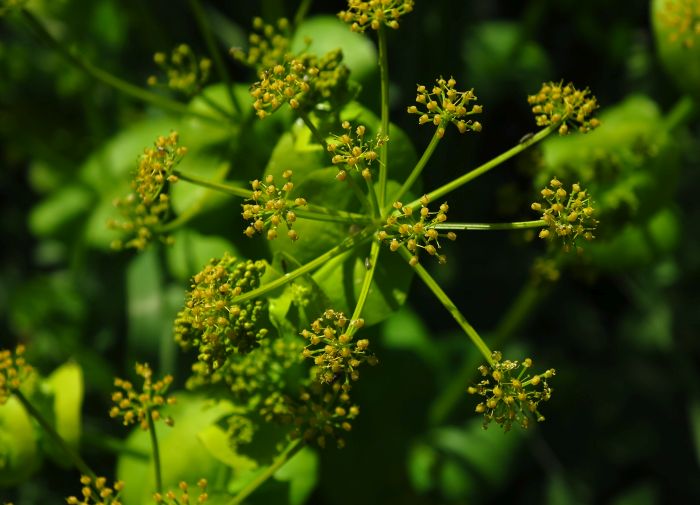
x=217, y=186
x=301, y=12
x=109, y=79
x=492, y=226
x=682, y=111
x=415, y=173
x=451, y=307
x=314, y=131
x=366, y=284
x=482, y=169
x=286, y=455
x=215, y=106
x=384, y=76
x=75, y=458
x=311, y=212
x=214, y=51
x=156, y=451
x=532, y=293
x=345, y=245
x=374, y=204
x=350, y=179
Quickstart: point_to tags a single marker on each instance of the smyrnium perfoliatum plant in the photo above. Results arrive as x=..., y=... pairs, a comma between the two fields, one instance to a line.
x=269, y=337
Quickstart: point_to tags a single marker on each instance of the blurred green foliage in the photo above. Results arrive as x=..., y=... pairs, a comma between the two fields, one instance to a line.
x=620, y=324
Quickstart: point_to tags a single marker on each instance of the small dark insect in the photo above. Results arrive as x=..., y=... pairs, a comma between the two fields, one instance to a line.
x=526, y=137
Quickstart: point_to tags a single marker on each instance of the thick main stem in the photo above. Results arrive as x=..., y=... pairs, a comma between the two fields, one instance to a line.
x=450, y=306
x=109, y=79
x=482, y=169
x=286, y=455
x=384, y=77
x=73, y=456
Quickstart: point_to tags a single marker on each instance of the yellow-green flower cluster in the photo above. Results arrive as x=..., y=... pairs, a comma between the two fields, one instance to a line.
x=149, y=204
x=416, y=232
x=268, y=45
x=443, y=104
x=138, y=406
x=212, y=322
x=682, y=18
x=283, y=83
x=511, y=394
x=184, y=497
x=564, y=105
x=96, y=491
x=333, y=350
x=375, y=13
x=355, y=153
x=14, y=370
x=568, y=215
x=270, y=207
x=183, y=71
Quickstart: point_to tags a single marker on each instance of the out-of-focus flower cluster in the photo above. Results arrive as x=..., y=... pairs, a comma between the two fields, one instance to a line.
x=183, y=71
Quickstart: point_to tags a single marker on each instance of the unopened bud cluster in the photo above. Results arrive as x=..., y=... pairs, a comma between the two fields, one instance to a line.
x=268, y=44
x=212, y=322
x=564, y=105
x=568, y=215
x=333, y=349
x=682, y=19
x=183, y=496
x=271, y=207
x=138, y=406
x=361, y=15
x=511, y=393
x=183, y=71
x=416, y=232
x=443, y=104
x=14, y=370
x=97, y=492
x=353, y=152
x=283, y=83
x=148, y=205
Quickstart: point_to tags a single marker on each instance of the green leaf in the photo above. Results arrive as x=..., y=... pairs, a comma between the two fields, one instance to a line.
x=59, y=210
x=19, y=451
x=328, y=33
x=301, y=472
x=183, y=455
x=192, y=250
x=66, y=385
x=216, y=441
x=145, y=306
x=422, y=459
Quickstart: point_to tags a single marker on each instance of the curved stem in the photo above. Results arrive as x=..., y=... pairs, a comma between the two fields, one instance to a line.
x=156, y=451
x=335, y=218
x=314, y=131
x=214, y=51
x=217, y=186
x=75, y=458
x=301, y=12
x=530, y=295
x=345, y=245
x=109, y=79
x=286, y=455
x=415, y=173
x=364, y=200
x=492, y=226
x=451, y=307
x=681, y=112
x=384, y=76
x=366, y=284
x=482, y=169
